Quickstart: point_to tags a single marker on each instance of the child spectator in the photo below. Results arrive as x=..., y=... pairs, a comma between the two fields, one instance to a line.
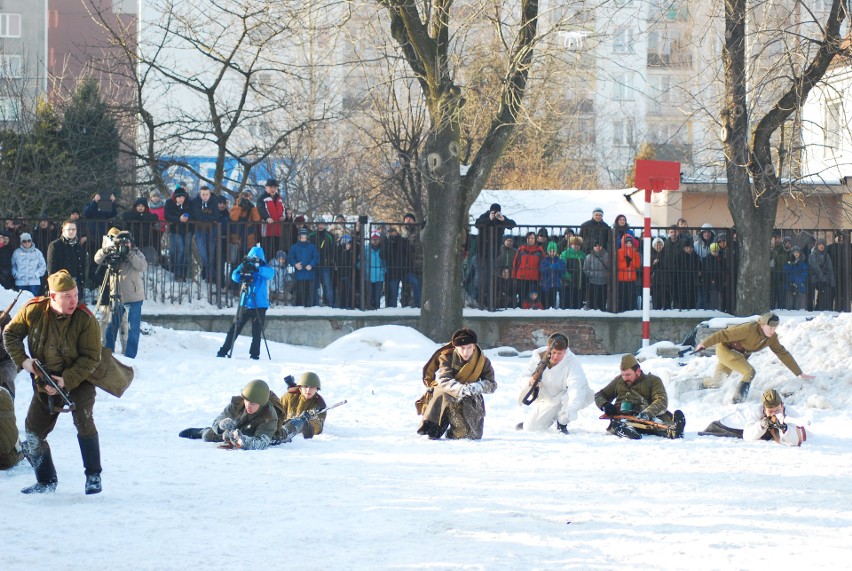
x=304, y=258
x=376, y=269
x=532, y=302
x=574, y=284
x=796, y=280
x=552, y=272
x=629, y=264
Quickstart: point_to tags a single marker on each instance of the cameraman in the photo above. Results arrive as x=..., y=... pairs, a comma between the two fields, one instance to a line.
x=253, y=274
x=125, y=263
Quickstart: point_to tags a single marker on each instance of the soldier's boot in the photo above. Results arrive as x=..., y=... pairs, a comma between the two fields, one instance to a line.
x=563, y=428
x=38, y=454
x=741, y=393
x=90, y=450
x=623, y=430
x=291, y=428
x=676, y=430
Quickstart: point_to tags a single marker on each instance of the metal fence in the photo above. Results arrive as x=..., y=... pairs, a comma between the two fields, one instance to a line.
x=352, y=265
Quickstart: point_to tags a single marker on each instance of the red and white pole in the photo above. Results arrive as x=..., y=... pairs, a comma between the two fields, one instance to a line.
x=646, y=272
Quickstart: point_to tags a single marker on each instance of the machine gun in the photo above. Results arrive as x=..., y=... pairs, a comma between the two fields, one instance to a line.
x=5, y=317
x=532, y=394
x=46, y=379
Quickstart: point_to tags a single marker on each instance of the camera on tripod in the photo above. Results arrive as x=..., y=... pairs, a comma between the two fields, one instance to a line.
x=121, y=244
x=248, y=267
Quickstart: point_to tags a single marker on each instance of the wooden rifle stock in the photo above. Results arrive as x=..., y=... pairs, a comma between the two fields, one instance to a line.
x=532, y=394
x=4, y=317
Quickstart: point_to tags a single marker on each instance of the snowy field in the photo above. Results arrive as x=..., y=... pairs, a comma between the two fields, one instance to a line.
x=369, y=493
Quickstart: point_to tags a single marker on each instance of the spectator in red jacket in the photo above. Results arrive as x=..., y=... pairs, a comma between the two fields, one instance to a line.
x=526, y=266
x=629, y=264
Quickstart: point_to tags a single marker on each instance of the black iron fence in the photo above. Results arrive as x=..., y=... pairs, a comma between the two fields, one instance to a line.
x=377, y=265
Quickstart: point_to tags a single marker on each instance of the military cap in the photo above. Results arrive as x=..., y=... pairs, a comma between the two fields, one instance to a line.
x=61, y=281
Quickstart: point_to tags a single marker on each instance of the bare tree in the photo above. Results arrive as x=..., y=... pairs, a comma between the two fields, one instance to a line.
x=758, y=102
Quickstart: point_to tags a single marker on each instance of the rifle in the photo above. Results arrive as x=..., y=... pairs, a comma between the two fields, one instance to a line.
x=637, y=422
x=288, y=436
x=5, y=318
x=315, y=413
x=532, y=394
x=46, y=378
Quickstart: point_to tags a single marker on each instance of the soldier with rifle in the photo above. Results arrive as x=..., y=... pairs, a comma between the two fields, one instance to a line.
x=64, y=337
x=556, y=390
x=640, y=404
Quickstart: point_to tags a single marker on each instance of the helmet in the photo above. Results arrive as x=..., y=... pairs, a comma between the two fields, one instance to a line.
x=309, y=380
x=256, y=391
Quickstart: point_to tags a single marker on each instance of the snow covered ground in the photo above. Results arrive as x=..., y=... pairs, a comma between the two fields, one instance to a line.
x=369, y=493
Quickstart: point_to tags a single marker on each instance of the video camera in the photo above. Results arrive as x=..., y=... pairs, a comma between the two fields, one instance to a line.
x=249, y=266
x=121, y=244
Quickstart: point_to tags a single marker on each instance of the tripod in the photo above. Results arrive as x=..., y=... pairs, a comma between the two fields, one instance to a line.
x=114, y=308
x=239, y=321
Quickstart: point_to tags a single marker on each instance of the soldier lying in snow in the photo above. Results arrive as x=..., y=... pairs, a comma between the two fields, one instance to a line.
x=256, y=418
x=770, y=422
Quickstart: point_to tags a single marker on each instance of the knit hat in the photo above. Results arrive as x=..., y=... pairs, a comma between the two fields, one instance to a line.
x=272, y=182
x=628, y=361
x=771, y=398
x=598, y=209
x=495, y=207
x=375, y=233
x=345, y=239
x=61, y=281
x=552, y=247
x=508, y=237
x=656, y=241
x=768, y=318
x=463, y=336
x=722, y=237
x=303, y=231
x=25, y=237
x=714, y=247
x=180, y=192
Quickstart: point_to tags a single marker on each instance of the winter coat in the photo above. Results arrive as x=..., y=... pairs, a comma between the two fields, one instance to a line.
x=10, y=453
x=526, y=265
x=574, y=260
x=796, y=276
x=490, y=235
x=714, y=272
x=244, y=232
x=596, y=267
x=646, y=395
x=629, y=263
x=28, y=266
x=396, y=257
x=506, y=257
x=130, y=286
x=307, y=254
x=173, y=211
x=258, y=429
x=592, y=231
x=97, y=219
x=295, y=404
x=143, y=225
x=70, y=344
x=552, y=271
x=201, y=211
x=821, y=268
x=324, y=242
x=376, y=269
x=258, y=294
x=270, y=206
x=563, y=391
x=63, y=254
x=752, y=429
x=748, y=338
x=702, y=246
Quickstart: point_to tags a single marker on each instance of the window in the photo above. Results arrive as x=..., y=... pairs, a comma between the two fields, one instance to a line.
x=622, y=41
x=10, y=25
x=10, y=66
x=622, y=87
x=9, y=109
x=833, y=122
x=622, y=133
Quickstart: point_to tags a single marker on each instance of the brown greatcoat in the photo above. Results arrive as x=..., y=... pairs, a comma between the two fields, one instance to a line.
x=459, y=417
x=748, y=338
x=10, y=454
x=295, y=404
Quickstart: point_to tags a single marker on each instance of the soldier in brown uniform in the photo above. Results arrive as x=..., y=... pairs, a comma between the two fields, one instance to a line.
x=248, y=422
x=642, y=395
x=455, y=404
x=64, y=335
x=302, y=398
x=10, y=450
x=736, y=344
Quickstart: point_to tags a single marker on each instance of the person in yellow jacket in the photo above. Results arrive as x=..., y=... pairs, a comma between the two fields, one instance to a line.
x=302, y=398
x=735, y=344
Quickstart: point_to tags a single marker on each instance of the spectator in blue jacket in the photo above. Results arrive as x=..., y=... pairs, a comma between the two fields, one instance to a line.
x=253, y=273
x=304, y=257
x=796, y=280
x=376, y=269
x=552, y=270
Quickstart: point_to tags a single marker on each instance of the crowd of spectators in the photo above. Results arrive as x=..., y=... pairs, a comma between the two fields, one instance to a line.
x=346, y=263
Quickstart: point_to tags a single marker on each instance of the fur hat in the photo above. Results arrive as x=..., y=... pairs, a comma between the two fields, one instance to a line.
x=61, y=281
x=771, y=398
x=628, y=361
x=768, y=318
x=463, y=336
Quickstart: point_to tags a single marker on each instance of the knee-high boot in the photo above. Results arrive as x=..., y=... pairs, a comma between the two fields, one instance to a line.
x=38, y=454
x=90, y=450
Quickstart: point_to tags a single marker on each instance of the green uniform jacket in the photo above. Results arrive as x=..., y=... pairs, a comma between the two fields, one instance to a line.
x=259, y=427
x=647, y=394
x=748, y=338
x=9, y=453
x=294, y=405
x=70, y=344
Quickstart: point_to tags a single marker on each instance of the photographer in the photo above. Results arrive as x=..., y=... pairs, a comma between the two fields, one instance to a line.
x=253, y=274
x=125, y=264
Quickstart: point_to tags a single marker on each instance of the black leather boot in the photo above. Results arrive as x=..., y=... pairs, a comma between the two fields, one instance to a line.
x=90, y=450
x=742, y=392
x=39, y=456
